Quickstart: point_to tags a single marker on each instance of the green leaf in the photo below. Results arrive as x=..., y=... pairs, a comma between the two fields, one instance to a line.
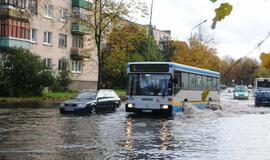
x=213, y=1
x=224, y=10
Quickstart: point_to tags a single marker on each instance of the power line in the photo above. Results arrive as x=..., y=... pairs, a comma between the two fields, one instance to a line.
x=256, y=47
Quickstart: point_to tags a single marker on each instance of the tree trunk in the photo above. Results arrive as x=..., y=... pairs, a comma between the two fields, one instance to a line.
x=100, y=66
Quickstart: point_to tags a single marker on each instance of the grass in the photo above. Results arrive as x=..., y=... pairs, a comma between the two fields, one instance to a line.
x=52, y=96
x=59, y=94
x=45, y=96
x=120, y=92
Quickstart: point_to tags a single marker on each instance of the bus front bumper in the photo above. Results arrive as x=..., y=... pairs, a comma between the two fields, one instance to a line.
x=166, y=109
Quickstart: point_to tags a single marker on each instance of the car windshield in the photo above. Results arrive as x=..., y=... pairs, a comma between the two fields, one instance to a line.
x=150, y=84
x=263, y=94
x=241, y=89
x=86, y=95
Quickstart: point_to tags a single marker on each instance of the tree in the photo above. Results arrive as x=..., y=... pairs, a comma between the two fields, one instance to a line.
x=195, y=54
x=243, y=71
x=127, y=43
x=25, y=73
x=104, y=16
x=265, y=58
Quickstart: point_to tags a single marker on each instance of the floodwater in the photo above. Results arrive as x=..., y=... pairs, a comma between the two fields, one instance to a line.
x=34, y=131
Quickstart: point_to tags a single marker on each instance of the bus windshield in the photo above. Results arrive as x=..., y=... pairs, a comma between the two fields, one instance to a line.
x=150, y=84
x=263, y=84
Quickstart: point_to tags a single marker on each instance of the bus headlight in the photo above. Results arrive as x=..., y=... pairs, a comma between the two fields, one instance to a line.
x=165, y=106
x=130, y=105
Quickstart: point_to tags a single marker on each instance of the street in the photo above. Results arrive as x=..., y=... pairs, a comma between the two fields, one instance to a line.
x=35, y=131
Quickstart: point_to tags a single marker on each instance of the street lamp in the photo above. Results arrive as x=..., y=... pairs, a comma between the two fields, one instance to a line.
x=196, y=27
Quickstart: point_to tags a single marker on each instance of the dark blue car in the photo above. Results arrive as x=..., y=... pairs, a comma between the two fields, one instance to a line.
x=262, y=98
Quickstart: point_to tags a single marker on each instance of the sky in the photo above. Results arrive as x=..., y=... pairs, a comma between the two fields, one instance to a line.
x=236, y=36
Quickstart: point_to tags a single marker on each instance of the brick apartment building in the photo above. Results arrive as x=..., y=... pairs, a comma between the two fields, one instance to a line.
x=48, y=28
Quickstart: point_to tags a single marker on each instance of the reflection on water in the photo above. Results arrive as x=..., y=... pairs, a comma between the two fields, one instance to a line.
x=38, y=131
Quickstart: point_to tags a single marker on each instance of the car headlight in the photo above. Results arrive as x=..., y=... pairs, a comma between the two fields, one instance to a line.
x=82, y=105
x=130, y=105
x=165, y=106
x=62, y=105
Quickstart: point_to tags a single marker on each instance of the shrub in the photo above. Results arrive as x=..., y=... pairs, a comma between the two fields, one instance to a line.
x=25, y=74
x=63, y=79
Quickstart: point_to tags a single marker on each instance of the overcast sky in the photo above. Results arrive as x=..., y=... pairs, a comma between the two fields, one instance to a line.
x=236, y=36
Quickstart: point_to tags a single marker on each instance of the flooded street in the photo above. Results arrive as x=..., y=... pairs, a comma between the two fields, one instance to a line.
x=240, y=131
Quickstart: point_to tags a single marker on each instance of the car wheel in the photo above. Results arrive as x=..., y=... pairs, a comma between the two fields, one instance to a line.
x=114, y=107
x=61, y=111
x=93, y=109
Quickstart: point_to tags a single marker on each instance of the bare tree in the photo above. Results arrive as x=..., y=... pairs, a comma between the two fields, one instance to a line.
x=105, y=15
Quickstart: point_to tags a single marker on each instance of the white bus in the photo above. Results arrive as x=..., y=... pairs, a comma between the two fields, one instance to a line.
x=262, y=84
x=165, y=87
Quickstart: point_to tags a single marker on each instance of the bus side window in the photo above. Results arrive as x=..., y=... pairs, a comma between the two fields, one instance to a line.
x=204, y=83
x=184, y=80
x=198, y=82
x=177, y=83
x=209, y=83
x=214, y=84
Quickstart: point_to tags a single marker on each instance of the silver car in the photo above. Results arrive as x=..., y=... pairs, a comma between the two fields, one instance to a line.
x=89, y=101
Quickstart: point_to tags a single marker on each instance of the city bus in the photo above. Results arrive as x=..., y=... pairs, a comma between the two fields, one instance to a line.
x=262, y=84
x=165, y=87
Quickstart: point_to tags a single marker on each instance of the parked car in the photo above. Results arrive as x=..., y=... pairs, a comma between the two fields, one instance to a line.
x=89, y=101
x=241, y=92
x=262, y=98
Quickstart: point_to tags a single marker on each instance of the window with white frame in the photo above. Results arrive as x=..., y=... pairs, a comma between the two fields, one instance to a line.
x=47, y=38
x=62, y=40
x=48, y=63
x=49, y=10
x=33, y=35
x=77, y=41
x=64, y=15
x=76, y=67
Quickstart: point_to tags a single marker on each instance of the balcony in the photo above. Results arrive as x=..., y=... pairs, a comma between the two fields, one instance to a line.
x=81, y=4
x=6, y=42
x=79, y=28
x=16, y=13
x=78, y=54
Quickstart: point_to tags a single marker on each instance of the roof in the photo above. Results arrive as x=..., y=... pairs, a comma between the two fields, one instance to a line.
x=184, y=68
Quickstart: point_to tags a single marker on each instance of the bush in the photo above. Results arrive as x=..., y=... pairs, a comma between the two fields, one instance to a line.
x=25, y=74
x=63, y=79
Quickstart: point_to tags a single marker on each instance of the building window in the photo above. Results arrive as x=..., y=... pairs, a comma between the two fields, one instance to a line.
x=33, y=35
x=76, y=67
x=48, y=38
x=64, y=15
x=62, y=40
x=49, y=11
x=62, y=64
x=77, y=41
x=33, y=6
x=48, y=63
x=15, y=28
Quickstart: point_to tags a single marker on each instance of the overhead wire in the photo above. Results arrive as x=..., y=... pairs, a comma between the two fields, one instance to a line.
x=249, y=53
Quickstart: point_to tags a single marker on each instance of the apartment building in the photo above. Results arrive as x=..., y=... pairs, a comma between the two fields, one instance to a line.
x=162, y=37
x=49, y=29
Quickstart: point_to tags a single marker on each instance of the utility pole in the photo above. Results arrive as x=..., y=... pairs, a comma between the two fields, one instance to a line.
x=150, y=33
